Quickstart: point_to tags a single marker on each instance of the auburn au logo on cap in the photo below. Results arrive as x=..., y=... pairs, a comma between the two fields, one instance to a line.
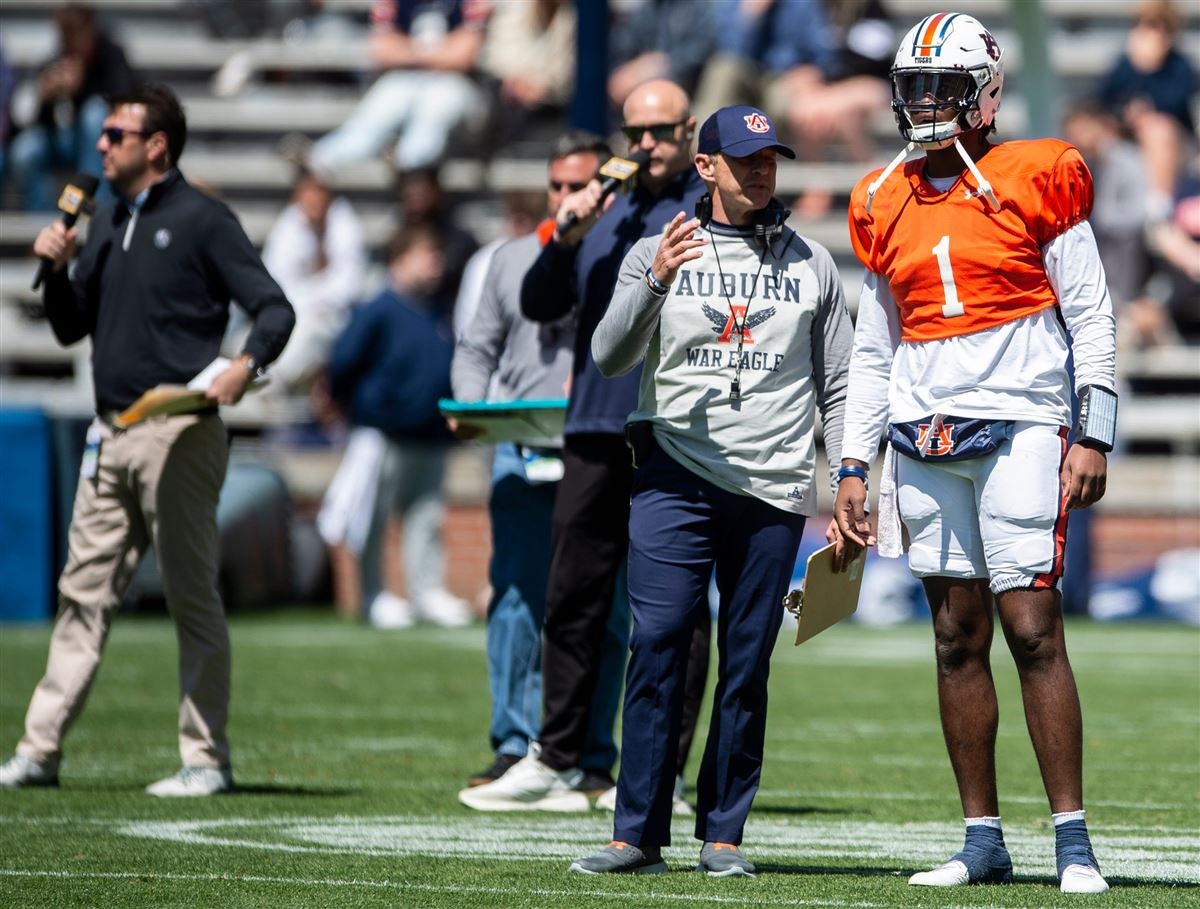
x=757, y=123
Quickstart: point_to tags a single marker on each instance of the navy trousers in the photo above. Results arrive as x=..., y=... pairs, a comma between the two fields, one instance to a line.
x=680, y=527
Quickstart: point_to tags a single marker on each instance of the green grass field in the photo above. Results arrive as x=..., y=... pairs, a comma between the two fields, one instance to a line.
x=350, y=744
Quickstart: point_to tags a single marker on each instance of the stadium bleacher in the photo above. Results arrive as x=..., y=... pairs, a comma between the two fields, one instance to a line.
x=234, y=148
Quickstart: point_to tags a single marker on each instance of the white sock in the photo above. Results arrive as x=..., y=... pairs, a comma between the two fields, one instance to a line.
x=1063, y=816
x=993, y=822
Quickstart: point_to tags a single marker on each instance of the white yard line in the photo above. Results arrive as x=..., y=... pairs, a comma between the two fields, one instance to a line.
x=1142, y=853
x=642, y=896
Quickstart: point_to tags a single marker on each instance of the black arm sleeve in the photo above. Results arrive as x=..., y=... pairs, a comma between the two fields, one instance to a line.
x=240, y=267
x=65, y=297
x=548, y=290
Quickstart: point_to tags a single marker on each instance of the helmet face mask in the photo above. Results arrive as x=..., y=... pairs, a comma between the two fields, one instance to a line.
x=946, y=80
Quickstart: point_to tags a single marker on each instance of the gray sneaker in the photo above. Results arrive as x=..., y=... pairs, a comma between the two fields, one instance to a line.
x=20, y=772
x=621, y=858
x=724, y=860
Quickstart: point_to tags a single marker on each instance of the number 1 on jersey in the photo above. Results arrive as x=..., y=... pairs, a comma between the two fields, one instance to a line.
x=952, y=307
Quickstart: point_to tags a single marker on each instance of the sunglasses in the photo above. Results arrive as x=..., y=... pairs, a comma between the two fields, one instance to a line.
x=558, y=186
x=659, y=132
x=116, y=134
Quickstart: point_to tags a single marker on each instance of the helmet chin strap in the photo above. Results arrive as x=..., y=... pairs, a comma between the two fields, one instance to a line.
x=985, y=188
x=878, y=182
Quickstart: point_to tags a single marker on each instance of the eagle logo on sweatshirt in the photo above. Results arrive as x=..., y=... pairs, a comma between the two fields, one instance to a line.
x=728, y=325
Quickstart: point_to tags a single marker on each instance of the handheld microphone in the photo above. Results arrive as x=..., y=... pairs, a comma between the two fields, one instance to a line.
x=617, y=173
x=76, y=200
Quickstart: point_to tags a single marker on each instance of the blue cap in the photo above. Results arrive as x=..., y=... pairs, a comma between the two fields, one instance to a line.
x=739, y=130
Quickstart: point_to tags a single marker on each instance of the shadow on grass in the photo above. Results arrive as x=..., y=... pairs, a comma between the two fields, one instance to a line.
x=279, y=789
x=797, y=810
x=822, y=869
x=1126, y=882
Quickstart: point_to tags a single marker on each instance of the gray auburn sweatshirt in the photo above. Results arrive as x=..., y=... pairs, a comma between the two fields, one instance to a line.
x=795, y=358
x=529, y=359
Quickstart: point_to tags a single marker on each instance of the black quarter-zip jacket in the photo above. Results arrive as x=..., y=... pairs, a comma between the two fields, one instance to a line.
x=152, y=289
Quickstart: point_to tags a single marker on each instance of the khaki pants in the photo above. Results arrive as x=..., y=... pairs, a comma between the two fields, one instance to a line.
x=157, y=483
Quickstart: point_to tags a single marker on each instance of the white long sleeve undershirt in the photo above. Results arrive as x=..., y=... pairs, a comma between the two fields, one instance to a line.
x=1014, y=371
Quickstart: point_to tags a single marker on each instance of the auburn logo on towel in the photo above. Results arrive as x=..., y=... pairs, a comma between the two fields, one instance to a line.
x=941, y=444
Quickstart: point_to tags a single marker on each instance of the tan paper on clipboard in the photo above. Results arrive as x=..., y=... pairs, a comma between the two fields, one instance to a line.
x=826, y=597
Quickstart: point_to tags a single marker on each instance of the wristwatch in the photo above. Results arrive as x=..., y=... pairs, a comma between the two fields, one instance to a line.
x=251, y=364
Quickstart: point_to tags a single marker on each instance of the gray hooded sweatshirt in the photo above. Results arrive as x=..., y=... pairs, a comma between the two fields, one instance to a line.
x=794, y=359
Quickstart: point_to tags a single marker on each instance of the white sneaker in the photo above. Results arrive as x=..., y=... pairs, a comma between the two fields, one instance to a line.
x=529, y=785
x=440, y=607
x=20, y=772
x=951, y=874
x=193, y=781
x=1082, y=879
x=607, y=800
x=391, y=612
x=679, y=805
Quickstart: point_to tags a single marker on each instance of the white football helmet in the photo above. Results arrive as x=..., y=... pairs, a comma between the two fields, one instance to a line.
x=947, y=62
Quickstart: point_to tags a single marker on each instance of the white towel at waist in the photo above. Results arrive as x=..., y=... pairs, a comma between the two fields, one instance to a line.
x=889, y=537
x=349, y=504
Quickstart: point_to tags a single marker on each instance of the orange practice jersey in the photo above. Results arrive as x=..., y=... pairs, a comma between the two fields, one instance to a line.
x=955, y=266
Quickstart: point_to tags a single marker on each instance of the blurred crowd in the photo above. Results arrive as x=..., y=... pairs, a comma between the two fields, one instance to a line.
x=476, y=76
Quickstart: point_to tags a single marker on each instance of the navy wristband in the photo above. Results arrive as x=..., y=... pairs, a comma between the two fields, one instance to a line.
x=852, y=471
x=654, y=284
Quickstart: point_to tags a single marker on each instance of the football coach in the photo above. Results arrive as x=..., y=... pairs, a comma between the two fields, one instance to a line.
x=151, y=290
x=744, y=333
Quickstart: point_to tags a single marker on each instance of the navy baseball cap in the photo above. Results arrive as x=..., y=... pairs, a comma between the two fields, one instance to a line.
x=739, y=130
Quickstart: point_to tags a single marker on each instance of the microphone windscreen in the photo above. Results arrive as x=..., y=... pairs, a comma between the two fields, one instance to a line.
x=619, y=169
x=77, y=192
x=87, y=182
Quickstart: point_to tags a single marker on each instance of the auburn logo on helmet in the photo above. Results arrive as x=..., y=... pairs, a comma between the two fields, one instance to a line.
x=757, y=123
x=993, y=49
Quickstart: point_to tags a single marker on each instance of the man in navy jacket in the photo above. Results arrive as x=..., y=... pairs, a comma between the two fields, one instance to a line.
x=577, y=271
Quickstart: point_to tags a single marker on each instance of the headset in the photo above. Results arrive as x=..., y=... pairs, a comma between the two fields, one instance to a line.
x=768, y=222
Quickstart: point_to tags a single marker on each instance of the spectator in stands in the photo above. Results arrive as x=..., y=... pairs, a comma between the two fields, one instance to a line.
x=1177, y=250
x=861, y=41
x=151, y=291
x=660, y=39
x=522, y=212
x=426, y=51
x=8, y=81
x=1119, y=213
x=769, y=53
x=504, y=357
x=423, y=204
x=388, y=369
x=1152, y=87
x=71, y=91
x=316, y=252
x=528, y=61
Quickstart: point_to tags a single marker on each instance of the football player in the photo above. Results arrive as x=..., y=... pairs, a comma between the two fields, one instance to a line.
x=982, y=276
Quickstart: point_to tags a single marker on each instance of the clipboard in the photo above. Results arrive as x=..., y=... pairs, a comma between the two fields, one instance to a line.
x=537, y=423
x=826, y=597
x=166, y=400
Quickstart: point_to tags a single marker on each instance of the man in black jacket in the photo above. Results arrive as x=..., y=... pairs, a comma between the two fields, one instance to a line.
x=152, y=290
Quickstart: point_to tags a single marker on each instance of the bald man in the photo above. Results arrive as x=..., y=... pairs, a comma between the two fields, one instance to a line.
x=577, y=272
